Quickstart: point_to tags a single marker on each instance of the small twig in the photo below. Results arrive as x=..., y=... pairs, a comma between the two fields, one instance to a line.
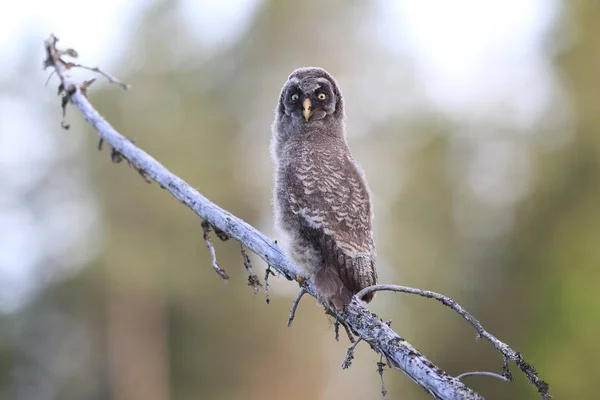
x=85, y=85
x=295, y=306
x=97, y=70
x=483, y=373
x=346, y=328
x=351, y=337
x=220, y=234
x=336, y=325
x=350, y=355
x=268, y=272
x=50, y=76
x=380, y=366
x=116, y=156
x=252, y=278
x=507, y=352
x=211, y=250
x=506, y=369
x=65, y=96
x=142, y=173
x=54, y=59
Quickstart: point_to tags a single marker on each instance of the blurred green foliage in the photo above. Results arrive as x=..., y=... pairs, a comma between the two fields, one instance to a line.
x=149, y=319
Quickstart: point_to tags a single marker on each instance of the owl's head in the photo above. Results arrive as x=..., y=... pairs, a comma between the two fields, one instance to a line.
x=311, y=97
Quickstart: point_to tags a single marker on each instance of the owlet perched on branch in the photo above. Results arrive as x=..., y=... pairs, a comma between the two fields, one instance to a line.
x=322, y=203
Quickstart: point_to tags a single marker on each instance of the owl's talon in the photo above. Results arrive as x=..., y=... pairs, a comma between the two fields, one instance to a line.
x=300, y=278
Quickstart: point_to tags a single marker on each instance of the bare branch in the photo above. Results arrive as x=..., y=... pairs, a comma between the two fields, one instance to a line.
x=507, y=352
x=295, y=306
x=482, y=373
x=398, y=352
x=211, y=250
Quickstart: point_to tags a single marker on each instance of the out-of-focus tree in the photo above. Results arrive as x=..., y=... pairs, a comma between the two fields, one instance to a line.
x=485, y=211
x=557, y=242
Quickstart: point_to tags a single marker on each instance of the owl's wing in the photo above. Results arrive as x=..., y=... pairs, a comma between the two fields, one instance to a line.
x=331, y=199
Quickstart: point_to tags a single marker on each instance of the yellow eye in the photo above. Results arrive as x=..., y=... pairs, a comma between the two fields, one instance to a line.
x=295, y=97
x=321, y=96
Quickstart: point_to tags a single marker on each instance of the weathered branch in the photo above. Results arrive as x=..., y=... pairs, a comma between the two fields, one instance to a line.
x=502, y=347
x=371, y=329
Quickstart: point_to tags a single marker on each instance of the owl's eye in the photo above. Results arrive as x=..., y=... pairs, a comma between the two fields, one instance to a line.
x=321, y=96
x=295, y=97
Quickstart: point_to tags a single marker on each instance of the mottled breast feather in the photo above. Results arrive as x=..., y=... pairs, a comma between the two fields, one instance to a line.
x=328, y=194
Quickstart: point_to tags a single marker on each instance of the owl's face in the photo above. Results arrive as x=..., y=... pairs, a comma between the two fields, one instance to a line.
x=310, y=95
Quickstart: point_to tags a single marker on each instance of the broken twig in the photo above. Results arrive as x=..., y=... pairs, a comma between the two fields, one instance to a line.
x=350, y=355
x=211, y=250
x=252, y=277
x=295, y=306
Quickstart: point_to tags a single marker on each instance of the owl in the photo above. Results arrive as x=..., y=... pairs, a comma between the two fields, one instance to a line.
x=321, y=202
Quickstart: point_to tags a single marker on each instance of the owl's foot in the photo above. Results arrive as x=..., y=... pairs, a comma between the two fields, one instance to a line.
x=300, y=278
x=295, y=306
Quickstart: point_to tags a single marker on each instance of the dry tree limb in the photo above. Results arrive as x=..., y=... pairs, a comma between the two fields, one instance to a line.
x=399, y=353
x=507, y=352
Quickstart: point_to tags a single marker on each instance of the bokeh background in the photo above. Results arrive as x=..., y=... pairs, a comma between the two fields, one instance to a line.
x=478, y=125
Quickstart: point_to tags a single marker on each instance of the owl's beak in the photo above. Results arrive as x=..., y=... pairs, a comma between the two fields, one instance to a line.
x=306, y=109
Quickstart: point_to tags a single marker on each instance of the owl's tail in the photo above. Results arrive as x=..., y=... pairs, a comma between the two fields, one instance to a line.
x=335, y=292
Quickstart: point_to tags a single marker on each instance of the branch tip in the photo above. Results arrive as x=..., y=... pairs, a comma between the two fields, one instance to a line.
x=483, y=373
x=295, y=306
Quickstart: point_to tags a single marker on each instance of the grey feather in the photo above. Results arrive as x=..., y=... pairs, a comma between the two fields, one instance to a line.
x=322, y=202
